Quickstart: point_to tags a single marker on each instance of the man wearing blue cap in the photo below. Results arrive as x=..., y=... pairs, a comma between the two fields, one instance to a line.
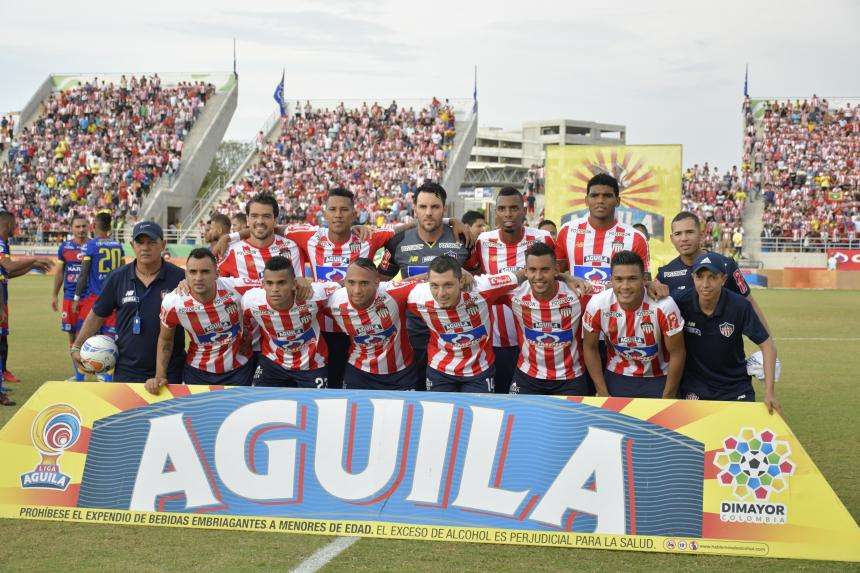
x=715, y=322
x=135, y=291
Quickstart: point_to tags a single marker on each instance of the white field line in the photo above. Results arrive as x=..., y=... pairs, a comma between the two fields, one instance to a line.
x=322, y=557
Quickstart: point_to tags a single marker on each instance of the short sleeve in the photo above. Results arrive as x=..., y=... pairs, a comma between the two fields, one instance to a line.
x=660, y=274
x=107, y=302
x=640, y=247
x=669, y=317
x=388, y=266
x=227, y=266
x=168, y=315
x=735, y=280
x=60, y=250
x=492, y=287
x=561, y=246
x=379, y=237
x=753, y=327
x=591, y=317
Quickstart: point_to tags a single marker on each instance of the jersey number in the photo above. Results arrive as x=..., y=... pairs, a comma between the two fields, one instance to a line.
x=110, y=259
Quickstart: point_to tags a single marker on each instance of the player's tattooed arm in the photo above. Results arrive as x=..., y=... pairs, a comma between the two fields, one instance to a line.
x=162, y=360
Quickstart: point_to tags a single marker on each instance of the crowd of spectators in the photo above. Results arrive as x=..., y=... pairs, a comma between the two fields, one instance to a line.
x=7, y=130
x=98, y=146
x=802, y=156
x=718, y=198
x=381, y=154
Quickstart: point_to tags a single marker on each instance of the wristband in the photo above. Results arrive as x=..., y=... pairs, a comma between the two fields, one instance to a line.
x=73, y=349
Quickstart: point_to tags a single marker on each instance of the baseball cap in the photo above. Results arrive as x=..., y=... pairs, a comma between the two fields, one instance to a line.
x=149, y=228
x=711, y=261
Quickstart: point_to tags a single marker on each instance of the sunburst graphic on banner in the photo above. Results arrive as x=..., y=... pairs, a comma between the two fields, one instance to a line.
x=637, y=181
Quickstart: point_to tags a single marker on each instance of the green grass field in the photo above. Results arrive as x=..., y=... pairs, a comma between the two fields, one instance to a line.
x=818, y=392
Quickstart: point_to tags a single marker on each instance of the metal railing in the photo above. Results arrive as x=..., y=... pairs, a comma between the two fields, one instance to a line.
x=804, y=245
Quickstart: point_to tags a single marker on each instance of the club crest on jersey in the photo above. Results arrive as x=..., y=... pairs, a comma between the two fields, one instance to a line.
x=617, y=247
x=647, y=328
x=727, y=329
x=472, y=310
x=565, y=312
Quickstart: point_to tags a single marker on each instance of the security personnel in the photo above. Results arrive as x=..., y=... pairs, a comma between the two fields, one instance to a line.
x=715, y=322
x=135, y=291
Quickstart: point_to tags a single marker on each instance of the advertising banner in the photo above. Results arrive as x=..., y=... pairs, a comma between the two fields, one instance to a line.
x=846, y=259
x=649, y=177
x=649, y=475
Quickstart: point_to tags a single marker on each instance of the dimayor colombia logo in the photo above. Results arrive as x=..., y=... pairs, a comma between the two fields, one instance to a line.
x=55, y=429
x=755, y=465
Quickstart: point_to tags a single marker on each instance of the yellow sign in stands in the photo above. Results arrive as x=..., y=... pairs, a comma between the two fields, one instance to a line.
x=649, y=177
x=689, y=477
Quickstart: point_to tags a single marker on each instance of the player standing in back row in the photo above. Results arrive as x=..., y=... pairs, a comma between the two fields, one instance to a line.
x=410, y=253
x=504, y=250
x=586, y=245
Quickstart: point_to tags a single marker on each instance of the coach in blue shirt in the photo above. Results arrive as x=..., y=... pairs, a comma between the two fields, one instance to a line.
x=135, y=291
x=715, y=322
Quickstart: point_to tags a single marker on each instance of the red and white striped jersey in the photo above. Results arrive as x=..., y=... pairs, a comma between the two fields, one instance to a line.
x=587, y=251
x=291, y=337
x=378, y=343
x=214, y=328
x=634, y=338
x=550, y=345
x=247, y=261
x=492, y=255
x=460, y=343
x=328, y=260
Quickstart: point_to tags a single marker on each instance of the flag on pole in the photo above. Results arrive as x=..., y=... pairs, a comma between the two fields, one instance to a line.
x=279, y=95
x=746, y=82
x=475, y=92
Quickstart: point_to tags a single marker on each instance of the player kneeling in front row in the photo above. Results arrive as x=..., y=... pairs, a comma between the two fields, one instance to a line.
x=292, y=353
x=644, y=341
x=716, y=320
x=548, y=315
x=211, y=313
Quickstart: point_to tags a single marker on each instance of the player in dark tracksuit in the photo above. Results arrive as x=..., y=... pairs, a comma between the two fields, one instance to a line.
x=410, y=252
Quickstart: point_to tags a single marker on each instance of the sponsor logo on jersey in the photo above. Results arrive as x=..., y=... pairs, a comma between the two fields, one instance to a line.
x=597, y=259
x=542, y=338
x=670, y=274
x=372, y=337
x=499, y=280
x=592, y=274
x=413, y=270
x=464, y=338
x=408, y=248
x=449, y=246
x=292, y=339
x=637, y=352
x=331, y=273
x=613, y=314
x=219, y=332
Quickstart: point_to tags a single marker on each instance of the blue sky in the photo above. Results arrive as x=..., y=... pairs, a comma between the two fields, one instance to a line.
x=672, y=72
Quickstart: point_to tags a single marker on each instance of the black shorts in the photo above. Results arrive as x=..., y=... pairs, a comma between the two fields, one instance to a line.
x=355, y=379
x=525, y=384
x=239, y=377
x=634, y=387
x=272, y=374
x=700, y=392
x=480, y=384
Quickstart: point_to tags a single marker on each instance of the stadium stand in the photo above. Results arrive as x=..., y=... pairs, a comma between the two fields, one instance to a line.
x=718, y=198
x=98, y=144
x=379, y=153
x=802, y=157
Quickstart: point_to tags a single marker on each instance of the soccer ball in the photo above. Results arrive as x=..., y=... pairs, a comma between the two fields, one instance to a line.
x=99, y=354
x=754, y=464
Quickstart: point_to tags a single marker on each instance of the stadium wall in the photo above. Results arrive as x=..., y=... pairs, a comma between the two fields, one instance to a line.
x=785, y=259
x=33, y=107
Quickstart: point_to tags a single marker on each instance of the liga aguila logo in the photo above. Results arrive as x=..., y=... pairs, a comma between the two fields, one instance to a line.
x=55, y=429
